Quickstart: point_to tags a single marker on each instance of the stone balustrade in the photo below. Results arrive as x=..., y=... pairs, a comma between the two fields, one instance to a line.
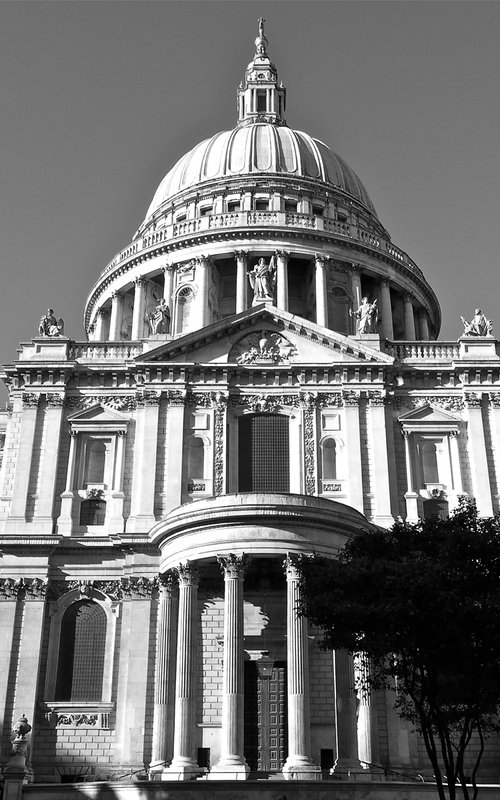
x=103, y=352
x=423, y=351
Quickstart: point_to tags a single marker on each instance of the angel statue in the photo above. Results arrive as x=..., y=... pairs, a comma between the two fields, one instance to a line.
x=367, y=316
x=50, y=326
x=478, y=326
x=262, y=279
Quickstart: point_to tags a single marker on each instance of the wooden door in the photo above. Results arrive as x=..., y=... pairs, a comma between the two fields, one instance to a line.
x=265, y=718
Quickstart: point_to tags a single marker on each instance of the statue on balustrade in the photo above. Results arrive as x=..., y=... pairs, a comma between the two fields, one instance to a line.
x=50, y=326
x=159, y=317
x=367, y=316
x=478, y=326
x=262, y=280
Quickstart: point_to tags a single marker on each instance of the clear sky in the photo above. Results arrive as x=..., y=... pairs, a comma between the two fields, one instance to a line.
x=99, y=99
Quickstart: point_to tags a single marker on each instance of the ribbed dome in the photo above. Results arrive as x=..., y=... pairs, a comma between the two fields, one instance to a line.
x=260, y=148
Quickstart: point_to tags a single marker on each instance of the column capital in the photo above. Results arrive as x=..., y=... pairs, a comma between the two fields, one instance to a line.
x=233, y=566
x=321, y=258
x=384, y=282
x=167, y=583
x=282, y=253
x=408, y=297
x=139, y=282
x=355, y=266
x=292, y=566
x=243, y=254
x=167, y=268
x=473, y=399
x=188, y=574
x=54, y=399
x=30, y=399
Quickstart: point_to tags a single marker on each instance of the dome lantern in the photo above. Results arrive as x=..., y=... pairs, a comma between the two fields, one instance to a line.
x=260, y=97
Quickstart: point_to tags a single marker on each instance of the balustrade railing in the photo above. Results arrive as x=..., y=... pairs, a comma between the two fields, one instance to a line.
x=423, y=351
x=101, y=352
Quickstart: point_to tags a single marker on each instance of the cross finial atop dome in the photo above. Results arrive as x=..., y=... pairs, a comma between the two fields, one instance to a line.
x=261, y=42
x=260, y=97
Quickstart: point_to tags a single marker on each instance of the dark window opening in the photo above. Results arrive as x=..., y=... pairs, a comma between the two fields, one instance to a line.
x=261, y=102
x=264, y=453
x=318, y=211
x=181, y=218
x=290, y=206
x=81, y=653
x=327, y=760
x=205, y=211
x=261, y=205
x=93, y=512
x=204, y=757
x=233, y=205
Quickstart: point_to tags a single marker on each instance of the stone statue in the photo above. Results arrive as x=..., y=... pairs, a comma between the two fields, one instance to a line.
x=367, y=316
x=478, y=326
x=50, y=326
x=262, y=279
x=159, y=317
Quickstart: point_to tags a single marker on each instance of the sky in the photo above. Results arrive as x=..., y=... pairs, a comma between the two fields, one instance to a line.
x=98, y=100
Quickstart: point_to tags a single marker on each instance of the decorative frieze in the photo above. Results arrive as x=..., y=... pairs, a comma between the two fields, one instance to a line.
x=27, y=588
x=219, y=426
x=122, y=588
x=116, y=402
x=77, y=720
x=309, y=451
x=445, y=402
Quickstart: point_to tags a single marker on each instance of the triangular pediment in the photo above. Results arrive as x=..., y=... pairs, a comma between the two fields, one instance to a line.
x=265, y=335
x=98, y=415
x=429, y=417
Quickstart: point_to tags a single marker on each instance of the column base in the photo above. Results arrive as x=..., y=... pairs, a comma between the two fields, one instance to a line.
x=347, y=769
x=182, y=770
x=301, y=768
x=229, y=770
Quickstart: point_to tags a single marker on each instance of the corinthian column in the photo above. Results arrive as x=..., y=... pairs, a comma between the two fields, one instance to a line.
x=299, y=764
x=232, y=764
x=241, y=257
x=184, y=766
x=321, y=297
x=282, y=279
x=138, y=313
x=163, y=719
x=347, y=761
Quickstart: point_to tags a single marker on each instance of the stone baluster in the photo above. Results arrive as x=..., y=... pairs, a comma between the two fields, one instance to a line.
x=115, y=324
x=184, y=765
x=232, y=764
x=138, y=314
x=320, y=264
x=386, y=311
x=241, y=257
x=163, y=718
x=409, y=319
x=299, y=764
x=282, y=279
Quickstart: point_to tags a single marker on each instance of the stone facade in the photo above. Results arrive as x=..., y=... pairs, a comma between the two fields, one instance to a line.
x=161, y=480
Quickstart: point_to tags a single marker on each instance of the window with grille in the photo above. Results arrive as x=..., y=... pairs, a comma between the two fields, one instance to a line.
x=81, y=653
x=264, y=453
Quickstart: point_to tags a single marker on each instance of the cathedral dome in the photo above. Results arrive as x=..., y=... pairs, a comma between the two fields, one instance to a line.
x=255, y=149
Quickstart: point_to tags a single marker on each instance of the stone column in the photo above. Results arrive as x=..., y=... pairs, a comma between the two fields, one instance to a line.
x=282, y=279
x=184, y=766
x=347, y=761
x=365, y=711
x=381, y=478
x=27, y=405
x=168, y=285
x=356, y=286
x=138, y=314
x=455, y=463
x=477, y=454
x=423, y=324
x=163, y=718
x=202, y=274
x=409, y=319
x=299, y=764
x=353, y=450
x=144, y=464
x=320, y=264
x=241, y=257
x=232, y=764
x=115, y=324
x=99, y=326
x=411, y=496
x=386, y=310
x=48, y=463
x=9, y=610
x=65, y=519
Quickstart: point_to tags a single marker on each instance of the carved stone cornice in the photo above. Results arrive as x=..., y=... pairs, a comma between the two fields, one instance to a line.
x=264, y=403
x=233, y=566
x=447, y=403
x=27, y=588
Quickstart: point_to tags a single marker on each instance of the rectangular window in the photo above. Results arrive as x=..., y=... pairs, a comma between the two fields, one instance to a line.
x=261, y=205
x=264, y=453
x=205, y=211
x=318, y=211
x=291, y=206
x=233, y=206
x=261, y=102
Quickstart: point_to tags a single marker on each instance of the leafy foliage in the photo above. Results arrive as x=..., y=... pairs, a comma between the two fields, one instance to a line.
x=422, y=603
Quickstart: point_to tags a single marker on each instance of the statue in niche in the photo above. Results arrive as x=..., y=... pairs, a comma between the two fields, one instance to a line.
x=50, y=326
x=262, y=279
x=478, y=326
x=367, y=316
x=159, y=317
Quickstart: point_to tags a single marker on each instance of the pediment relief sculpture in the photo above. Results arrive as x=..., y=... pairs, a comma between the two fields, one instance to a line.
x=263, y=347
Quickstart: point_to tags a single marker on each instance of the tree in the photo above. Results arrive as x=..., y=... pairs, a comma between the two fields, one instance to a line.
x=421, y=602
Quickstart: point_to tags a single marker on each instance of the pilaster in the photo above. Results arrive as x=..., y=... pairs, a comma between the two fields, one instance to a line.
x=17, y=511
x=203, y=266
x=144, y=466
x=353, y=450
x=380, y=476
x=48, y=463
x=175, y=437
x=477, y=454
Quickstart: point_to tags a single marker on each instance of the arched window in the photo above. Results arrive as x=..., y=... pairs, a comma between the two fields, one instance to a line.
x=95, y=461
x=329, y=459
x=196, y=457
x=429, y=462
x=81, y=653
x=184, y=309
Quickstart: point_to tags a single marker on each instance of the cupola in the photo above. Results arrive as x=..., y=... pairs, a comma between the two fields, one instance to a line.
x=260, y=98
